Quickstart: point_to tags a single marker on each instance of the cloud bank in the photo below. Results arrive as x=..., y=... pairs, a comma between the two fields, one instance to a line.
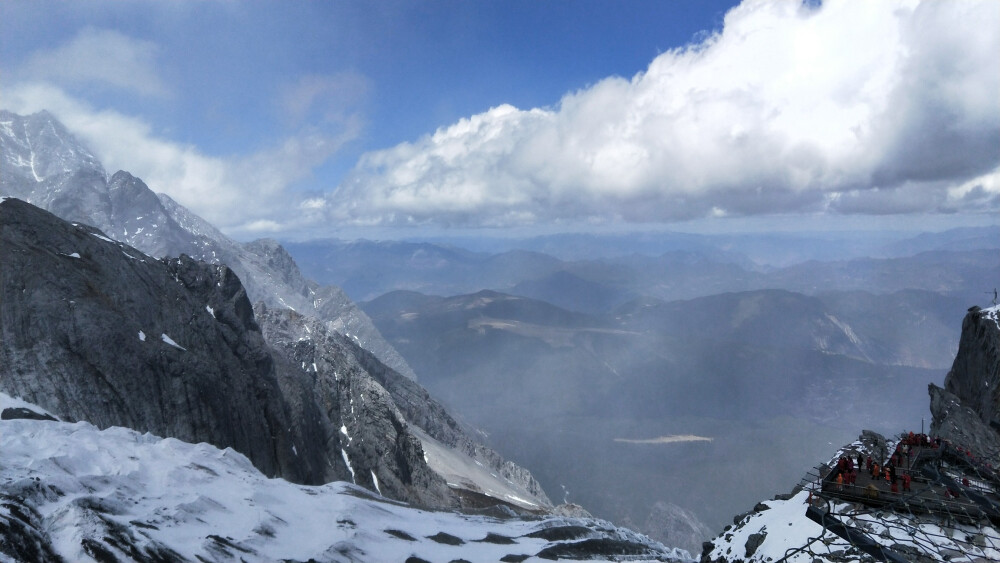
x=248, y=195
x=845, y=108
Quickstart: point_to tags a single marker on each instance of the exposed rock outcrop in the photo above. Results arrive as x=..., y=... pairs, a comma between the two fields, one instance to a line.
x=370, y=406
x=967, y=410
x=342, y=407
x=953, y=420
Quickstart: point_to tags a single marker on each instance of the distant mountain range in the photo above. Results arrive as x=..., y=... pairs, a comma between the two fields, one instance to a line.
x=565, y=343
x=958, y=262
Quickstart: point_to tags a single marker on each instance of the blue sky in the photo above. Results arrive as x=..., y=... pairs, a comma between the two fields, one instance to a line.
x=311, y=119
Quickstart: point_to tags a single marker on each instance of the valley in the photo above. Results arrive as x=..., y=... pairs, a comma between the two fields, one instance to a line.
x=774, y=376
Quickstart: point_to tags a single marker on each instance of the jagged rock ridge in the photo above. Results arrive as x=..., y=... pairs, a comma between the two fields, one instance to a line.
x=43, y=164
x=967, y=410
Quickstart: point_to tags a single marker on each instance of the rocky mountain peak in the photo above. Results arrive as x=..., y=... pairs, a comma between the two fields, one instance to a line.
x=967, y=410
x=39, y=148
x=47, y=166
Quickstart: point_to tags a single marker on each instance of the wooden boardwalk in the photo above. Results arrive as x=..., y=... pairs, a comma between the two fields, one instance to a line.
x=943, y=482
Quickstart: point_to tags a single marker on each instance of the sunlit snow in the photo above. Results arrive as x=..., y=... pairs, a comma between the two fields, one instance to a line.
x=171, y=342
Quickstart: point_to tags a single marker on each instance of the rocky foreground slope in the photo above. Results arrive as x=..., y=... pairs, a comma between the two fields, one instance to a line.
x=951, y=513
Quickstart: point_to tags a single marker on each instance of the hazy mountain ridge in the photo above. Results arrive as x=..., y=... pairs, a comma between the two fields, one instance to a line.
x=46, y=166
x=939, y=262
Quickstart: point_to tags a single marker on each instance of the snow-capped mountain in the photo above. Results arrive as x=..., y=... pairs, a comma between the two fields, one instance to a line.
x=72, y=492
x=42, y=163
x=945, y=505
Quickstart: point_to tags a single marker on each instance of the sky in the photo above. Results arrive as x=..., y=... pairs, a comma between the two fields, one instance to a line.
x=332, y=119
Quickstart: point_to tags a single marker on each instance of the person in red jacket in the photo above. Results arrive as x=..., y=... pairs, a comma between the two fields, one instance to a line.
x=906, y=482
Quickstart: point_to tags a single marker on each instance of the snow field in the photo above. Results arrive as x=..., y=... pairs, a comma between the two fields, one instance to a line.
x=177, y=495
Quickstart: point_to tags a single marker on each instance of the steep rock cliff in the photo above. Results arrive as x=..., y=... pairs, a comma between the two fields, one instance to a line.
x=368, y=409
x=95, y=330
x=975, y=375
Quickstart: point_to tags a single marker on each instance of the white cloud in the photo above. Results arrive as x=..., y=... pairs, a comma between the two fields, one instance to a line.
x=103, y=57
x=851, y=107
x=240, y=194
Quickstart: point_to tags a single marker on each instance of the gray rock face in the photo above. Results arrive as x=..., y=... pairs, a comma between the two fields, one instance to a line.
x=967, y=410
x=43, y=164
x=954, y=420
x=95, y=330
x=875, y=444
x=368, y=407
x=365, y=438
x=975, y=375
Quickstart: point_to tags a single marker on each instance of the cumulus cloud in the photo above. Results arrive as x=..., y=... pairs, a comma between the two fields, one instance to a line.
x=103, y=57
x=242, y=195
x=848, y=107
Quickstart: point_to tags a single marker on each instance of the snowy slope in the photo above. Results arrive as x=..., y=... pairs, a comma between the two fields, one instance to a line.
x=83, y=494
